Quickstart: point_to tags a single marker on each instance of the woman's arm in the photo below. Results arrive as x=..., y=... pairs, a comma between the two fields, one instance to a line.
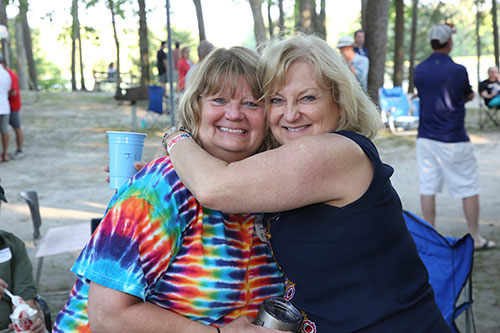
x=114, y=311
x=321, y=168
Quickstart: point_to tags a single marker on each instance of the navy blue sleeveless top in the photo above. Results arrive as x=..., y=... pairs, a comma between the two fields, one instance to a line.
x=356, y=268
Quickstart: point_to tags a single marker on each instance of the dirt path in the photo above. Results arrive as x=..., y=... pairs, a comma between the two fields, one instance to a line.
x=66, y=149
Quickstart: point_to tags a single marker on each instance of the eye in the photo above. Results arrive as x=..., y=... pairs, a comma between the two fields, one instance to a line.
x=309, y=98
x=251, y=104
x=219, y=100
x=276, y=100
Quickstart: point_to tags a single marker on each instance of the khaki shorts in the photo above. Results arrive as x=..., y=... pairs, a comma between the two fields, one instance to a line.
x=450, y=163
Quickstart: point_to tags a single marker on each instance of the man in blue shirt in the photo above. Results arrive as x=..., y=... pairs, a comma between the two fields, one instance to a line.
x=444, y=152
x=359, y=43
x=358, y=64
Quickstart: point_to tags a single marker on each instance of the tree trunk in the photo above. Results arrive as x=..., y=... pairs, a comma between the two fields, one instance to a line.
x=201, y=23
x=269, y=18
x=143, y=44
x=399, y=50
x=377, y=17
x=413, y=46
x=478, y=39
x=74, y=13
x=305, y=17
x=21, y=56
x=117, y=45
x=364, y=4
x=258, y=21
x=495, y=30
x=28, y=45
x=281, y=18
x=320, y=25
x=6, y=51
x=80, y=50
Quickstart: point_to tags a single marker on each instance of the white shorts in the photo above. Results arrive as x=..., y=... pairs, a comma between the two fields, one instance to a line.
x=453, y=163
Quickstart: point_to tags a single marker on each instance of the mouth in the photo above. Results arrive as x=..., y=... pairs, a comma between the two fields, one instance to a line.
x=295, y=129
x=232, y=130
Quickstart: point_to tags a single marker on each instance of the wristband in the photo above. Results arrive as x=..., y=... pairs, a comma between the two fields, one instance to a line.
x=176, y=139
x=166, y=137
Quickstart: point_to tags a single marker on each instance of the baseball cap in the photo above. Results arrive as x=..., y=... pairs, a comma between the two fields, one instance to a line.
x=2, y=194
x=345, y=41
x=441, y=32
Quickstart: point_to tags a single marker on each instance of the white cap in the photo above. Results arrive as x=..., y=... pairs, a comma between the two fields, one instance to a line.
x=441, y=32
x=345, y=41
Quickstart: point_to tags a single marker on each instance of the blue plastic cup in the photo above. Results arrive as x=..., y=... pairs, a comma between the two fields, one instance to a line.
x=125, y=148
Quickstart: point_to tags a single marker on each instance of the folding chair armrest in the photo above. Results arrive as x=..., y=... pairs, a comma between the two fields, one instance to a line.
x=46, y=312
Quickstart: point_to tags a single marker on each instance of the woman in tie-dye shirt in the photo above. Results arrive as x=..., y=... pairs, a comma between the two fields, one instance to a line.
x=161, y=262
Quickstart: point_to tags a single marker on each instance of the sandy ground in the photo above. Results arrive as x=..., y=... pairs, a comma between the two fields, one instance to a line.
x=66, y=150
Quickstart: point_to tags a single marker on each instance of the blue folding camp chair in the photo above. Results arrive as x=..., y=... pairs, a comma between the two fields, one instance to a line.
x=155, y=107
x=449, y=263
x=396, y=111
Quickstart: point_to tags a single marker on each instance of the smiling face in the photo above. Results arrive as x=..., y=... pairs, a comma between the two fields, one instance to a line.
x=302, y=106
x=232, y=127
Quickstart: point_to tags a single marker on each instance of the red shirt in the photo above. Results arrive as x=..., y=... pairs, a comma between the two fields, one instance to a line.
x=14, y=101
x=184, y=66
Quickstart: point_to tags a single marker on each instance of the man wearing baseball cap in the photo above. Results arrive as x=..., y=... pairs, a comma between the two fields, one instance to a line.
x=444, y=152
x=357, y=63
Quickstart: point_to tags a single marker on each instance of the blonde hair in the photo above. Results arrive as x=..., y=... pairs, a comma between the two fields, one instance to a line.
x=357, y=112
x=221, y=69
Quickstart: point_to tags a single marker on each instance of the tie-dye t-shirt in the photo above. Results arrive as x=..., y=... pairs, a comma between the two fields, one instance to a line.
x=158, y=243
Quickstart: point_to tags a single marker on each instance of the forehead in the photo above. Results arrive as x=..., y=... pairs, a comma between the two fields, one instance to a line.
x=230, y=85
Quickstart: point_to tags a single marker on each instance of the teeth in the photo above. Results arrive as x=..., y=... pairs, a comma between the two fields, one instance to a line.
x=296, y=129
x=232, y=130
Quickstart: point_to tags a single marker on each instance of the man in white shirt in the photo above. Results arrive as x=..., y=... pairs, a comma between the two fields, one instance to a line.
x=5, y=84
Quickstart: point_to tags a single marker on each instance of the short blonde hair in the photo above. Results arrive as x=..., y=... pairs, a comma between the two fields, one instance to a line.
x=221, y=69
x=357, y=112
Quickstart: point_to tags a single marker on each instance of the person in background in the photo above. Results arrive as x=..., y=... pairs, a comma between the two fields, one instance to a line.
x=204, y=49
x=161, y=65
x=489, y=89
x=337, y=229
x=184, y=66
x=16, y=275
x=111, y=72
x=161, y=262
x=359, y=43
x=15, y=108
x=5, y=86
x=444, y=151
x=176, y=53
x=358, y=64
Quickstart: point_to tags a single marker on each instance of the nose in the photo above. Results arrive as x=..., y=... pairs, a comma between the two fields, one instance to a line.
x=234, y=112
x=292, y=112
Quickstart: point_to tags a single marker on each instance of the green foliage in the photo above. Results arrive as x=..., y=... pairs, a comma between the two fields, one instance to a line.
x=49, y=75
x=461, y=14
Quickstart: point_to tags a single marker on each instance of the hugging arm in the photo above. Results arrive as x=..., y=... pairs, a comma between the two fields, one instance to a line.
x=115, y=311
x=320, y=168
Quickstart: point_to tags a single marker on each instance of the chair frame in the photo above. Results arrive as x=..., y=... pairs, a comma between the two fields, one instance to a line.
x=74, y=235
x=491, y=114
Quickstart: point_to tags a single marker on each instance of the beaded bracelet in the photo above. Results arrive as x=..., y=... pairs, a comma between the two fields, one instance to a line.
x=176, y=139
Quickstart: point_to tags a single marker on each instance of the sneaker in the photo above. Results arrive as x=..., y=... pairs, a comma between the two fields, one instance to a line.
x=18, y=155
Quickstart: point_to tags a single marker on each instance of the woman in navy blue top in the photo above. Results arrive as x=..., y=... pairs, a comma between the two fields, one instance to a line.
x=337, y=231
